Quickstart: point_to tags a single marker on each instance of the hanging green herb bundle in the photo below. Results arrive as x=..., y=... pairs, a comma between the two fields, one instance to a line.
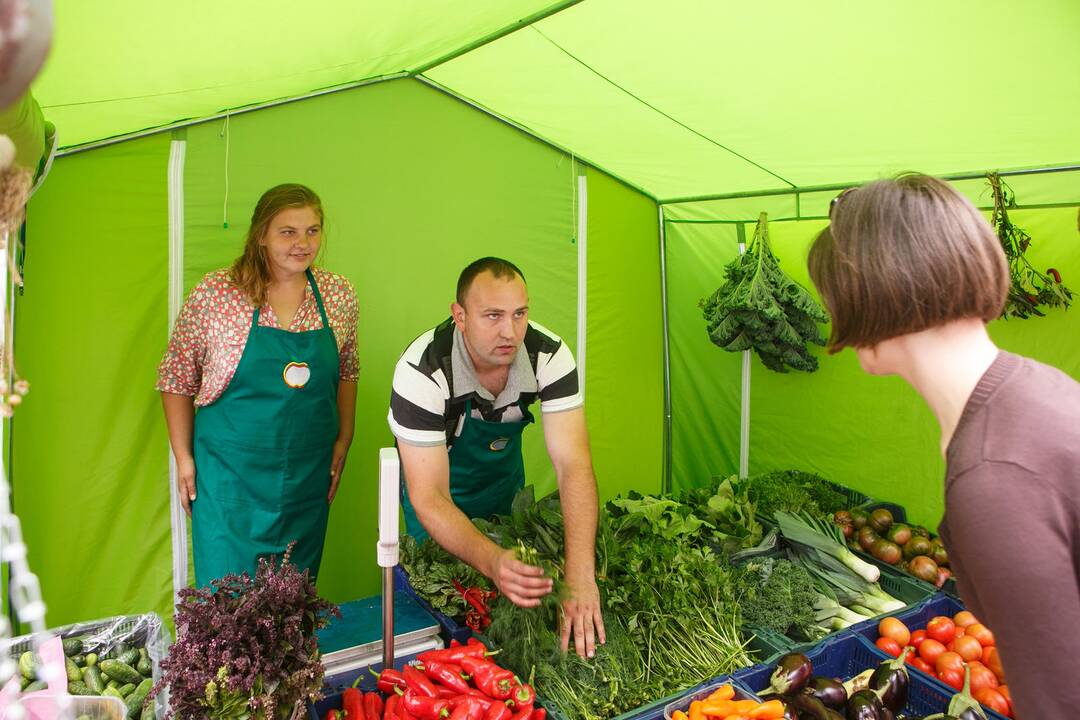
x=760, y=308
x=1029, y=289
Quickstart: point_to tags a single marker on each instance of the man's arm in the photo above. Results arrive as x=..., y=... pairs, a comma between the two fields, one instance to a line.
x=427, y=476
x=568, y=447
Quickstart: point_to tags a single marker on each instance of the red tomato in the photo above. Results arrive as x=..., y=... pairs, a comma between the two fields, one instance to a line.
x=992, y=699
x=893, y=629
x=922, y=665
x=889, y=645
x=950, y=661
x=968, y=648
x=964, y=618
x=960, y=632
x=981, y=677
x=992, y=659
x=930, y=650
x=1004, y=690
x=953, y=678
x=941, y=629
x=981, y=633
x=917, y=637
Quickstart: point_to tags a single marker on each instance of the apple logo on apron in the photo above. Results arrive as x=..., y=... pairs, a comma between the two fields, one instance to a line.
x=296, y=375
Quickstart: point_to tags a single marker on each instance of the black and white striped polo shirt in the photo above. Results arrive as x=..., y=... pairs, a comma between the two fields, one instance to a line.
x=435, y=377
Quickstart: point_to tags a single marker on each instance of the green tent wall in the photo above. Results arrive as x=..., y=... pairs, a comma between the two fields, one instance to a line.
x=712, y=112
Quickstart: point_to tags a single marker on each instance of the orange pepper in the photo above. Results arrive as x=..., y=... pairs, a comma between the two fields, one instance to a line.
x=745, y=706
x=724, y=692
x=679, y=715
x=719, y=709
x=771, y=710
x=697, y=710
x=738, y=716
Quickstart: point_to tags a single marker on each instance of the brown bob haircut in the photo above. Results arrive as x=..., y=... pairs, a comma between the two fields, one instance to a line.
x=905, y=255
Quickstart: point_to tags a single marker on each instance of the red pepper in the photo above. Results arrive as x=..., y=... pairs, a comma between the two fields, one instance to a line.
x=390, y=710
x=523, y=695
x=417, y=682
x=454, y=643
x=446, y=693
x=489, y=677
x=332, y=715
x=447, y=674
x=525, y=714
x=464, y=709
x=352, y=701
x=498, y=711
x=452, y=654
x=483, y=700
x=373, y=705
x=538, y=714
x=388, y=679
x=425, y=708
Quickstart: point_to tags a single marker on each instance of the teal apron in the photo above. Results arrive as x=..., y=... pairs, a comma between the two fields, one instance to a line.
x=486, y=469
x=263, y=452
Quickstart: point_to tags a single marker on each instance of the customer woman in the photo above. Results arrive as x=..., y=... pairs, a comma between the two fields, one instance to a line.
x=911, y=273
x=259, y=389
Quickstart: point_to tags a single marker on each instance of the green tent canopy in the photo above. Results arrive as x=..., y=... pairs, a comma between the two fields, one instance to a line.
x=616, y=149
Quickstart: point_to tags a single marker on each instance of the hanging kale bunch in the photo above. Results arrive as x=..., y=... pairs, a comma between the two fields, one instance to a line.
x=760, y=308
x=1029, y=288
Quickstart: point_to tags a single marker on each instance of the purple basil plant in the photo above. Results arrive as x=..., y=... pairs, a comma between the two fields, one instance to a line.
x=247, y=648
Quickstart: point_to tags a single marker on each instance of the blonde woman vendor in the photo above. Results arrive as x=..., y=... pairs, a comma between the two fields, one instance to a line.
x=259, y=389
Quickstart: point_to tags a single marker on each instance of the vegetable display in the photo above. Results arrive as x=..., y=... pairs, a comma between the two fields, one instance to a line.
x=723, y=704
x=124, y=671
x=911, y=548
x=958, y=651
x=794, y=491
x=760, y=308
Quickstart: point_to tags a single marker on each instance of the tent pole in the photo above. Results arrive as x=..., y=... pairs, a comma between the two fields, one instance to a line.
x=177, y=153
x=837, y=187
x=744, y=397
x=667, y=484
x=582, y=220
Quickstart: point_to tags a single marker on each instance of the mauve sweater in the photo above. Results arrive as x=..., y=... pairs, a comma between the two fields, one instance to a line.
x=1012, y=527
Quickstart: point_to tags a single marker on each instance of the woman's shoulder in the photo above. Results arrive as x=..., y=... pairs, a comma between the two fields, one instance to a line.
x=331, y=282
x=215, y=286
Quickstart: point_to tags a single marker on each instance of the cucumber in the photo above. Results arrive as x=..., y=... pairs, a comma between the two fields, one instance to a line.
x=23, y=682
x=73, y=672
x=91, y=659
x=92, y=678
x=79, y=659
x=35, y=686
x=27, y=665
x=126, y=690
x=148, y=712
x=129, y=658
x=73, y=646
x=79, y=688
x=135, y=699
x=119, y=650
x=112, y=692
x=120, y=672
x=111, y=684
x=145, y=666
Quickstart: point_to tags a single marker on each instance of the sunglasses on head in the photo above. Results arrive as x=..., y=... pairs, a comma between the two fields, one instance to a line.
x=836, y=200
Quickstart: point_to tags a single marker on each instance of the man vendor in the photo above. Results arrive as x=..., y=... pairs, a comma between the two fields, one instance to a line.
x=459, y=405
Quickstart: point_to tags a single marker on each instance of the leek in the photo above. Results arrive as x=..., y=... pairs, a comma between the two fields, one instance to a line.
x=824, y=536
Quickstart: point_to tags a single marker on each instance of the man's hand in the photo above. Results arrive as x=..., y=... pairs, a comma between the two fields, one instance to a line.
x=337, y=466
x=581, y=616
x=522, y=584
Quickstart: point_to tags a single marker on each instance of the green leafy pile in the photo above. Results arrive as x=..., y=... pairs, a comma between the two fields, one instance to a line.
x=1029, y=289
x=432, y=572
x=727, y=512
x=779, y=595
x=759, y=307
x=793, y=491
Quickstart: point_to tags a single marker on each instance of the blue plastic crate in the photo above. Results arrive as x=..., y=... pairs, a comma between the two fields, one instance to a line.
x=451, y=629
x=916, y=619
x=845, y=656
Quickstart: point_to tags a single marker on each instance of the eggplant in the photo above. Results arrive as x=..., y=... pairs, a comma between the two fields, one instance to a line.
x=864, y=705
x=829, y=691
x=892, y=680
x=887, y=714
x=792, y=673
x=962, y=705
x=810, y=708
